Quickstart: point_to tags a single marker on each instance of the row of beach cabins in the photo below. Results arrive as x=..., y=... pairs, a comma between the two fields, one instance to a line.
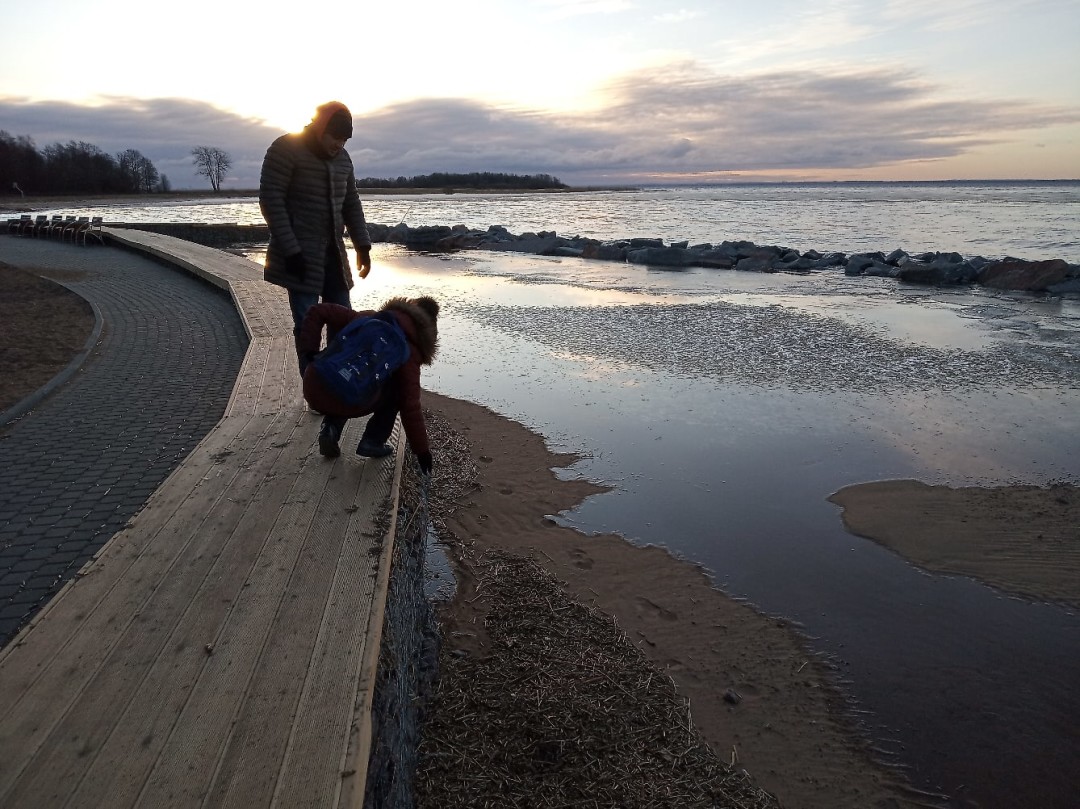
x=79, y=229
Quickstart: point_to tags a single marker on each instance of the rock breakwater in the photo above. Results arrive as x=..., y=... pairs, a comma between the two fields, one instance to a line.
x=1054, y=276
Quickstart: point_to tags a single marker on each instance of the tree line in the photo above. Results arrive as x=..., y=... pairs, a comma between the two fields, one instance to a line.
x=77, y=167
x=475, y=180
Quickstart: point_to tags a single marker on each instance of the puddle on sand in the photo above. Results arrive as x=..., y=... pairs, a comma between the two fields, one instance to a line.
x=440, y=584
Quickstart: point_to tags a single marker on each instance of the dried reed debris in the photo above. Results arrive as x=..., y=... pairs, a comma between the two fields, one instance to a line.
x=558, y=708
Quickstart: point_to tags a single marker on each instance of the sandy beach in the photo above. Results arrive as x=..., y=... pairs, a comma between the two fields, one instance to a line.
x=757, y=695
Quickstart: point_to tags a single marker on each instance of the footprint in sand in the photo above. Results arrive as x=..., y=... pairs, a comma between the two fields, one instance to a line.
x=581, y=559
x=646, y=606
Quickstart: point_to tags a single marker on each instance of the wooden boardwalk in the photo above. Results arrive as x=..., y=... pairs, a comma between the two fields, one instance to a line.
x=221, y=649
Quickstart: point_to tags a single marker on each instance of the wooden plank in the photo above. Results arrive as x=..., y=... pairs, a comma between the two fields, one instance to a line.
x=164, y=748
x=245, y=396
x=257, y=729
x=281, y=386
x=359, y=742
x=270, y=381
x=315, y=761
x=263, y=306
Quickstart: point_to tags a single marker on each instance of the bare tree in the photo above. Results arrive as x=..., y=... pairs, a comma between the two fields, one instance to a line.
x=138, y=172
x=212, y=163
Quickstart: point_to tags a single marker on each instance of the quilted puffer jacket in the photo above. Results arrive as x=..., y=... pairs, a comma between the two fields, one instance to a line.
x=307, y=199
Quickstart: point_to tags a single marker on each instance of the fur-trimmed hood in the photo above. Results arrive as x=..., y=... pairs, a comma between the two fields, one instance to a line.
x=422, y=315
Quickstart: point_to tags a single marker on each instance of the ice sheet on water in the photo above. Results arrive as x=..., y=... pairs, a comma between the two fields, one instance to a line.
x=777, y=347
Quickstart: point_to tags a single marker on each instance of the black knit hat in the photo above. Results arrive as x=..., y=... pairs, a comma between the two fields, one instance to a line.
x=340, y=125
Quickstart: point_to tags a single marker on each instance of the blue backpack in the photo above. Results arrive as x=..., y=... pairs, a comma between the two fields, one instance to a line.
x=361, y=358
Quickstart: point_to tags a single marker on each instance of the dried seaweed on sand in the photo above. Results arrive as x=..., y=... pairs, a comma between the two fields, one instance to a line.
x=558, y=708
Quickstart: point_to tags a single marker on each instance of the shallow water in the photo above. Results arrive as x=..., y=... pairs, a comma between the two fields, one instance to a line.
x=725, y=408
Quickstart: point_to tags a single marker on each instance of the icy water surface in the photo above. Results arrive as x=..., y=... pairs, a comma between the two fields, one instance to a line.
x=726, y=407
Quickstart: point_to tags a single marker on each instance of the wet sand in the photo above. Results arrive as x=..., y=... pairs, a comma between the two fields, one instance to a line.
x=1024, y=540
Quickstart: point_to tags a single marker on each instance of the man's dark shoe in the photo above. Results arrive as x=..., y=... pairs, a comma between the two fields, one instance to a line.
x=369, y=449
x=328, y=441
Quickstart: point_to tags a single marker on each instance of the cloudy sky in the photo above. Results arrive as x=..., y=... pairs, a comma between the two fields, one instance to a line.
x=591, y=91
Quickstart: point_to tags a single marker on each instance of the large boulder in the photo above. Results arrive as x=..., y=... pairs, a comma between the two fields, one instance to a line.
x=661, y=256
x=879, y=269
x=425, y=237
x=858, y=263
x=459, y=240
x=828, y=260
x=945, y=269
x=639, y=242
x=566, y=251
x=763, y=259
x=942, y=269
x=1072, y=285
x=717, y=258
x=535, y=244
x=605, y=251
x=800, y=264
x=378, y=233
x=741, y=248
x=1033, y=276
x=398, y=234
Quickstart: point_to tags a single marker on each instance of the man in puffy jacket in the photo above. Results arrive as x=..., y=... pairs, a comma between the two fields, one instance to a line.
x=307, y=194
x=418, y=318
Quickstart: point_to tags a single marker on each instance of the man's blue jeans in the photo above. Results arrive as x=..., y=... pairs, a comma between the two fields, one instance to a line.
x=300, y=302
x=334, y=291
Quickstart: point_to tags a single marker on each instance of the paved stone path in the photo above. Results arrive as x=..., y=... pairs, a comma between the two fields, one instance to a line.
x=77, y=467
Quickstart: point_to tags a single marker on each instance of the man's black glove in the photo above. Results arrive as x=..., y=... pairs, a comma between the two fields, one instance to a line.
x=295, y=265
x=425, y=461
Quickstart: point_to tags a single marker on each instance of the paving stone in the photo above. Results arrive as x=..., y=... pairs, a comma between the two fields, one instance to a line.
x=77, y=467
